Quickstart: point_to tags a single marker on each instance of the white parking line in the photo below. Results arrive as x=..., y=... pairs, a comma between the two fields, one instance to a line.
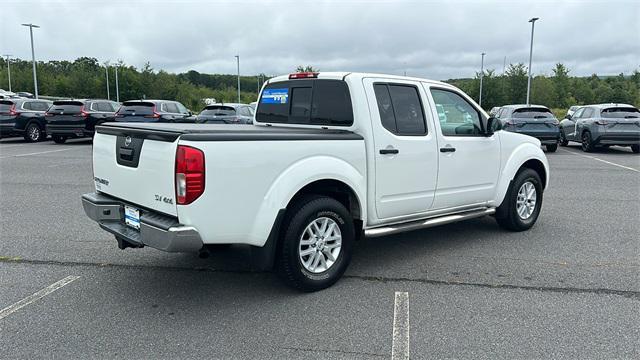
x=36, y=296
x=400, y=344
x=35, y=153
x=604, y=161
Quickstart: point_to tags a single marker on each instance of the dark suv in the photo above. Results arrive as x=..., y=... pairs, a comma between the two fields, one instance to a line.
x=154, y=111
x=533, y=120
x=78, y=118
x=226, y=114
x=23, y=117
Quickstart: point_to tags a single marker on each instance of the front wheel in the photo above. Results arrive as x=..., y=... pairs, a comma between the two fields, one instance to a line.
x=521, y=205
x=316, y=244
x=635, y=149
x=33, y=133
x=59, y=139
x=552, y=148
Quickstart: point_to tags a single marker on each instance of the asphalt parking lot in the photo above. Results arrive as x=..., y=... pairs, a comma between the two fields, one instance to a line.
x=568, y=288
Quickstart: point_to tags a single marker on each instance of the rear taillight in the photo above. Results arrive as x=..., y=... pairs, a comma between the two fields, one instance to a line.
x=510, y=122
x=12, y=111
x=155, y=115
x=48, y=114
x=303, y=75
x=602, y=122
x=82, y=113
x=189, y=174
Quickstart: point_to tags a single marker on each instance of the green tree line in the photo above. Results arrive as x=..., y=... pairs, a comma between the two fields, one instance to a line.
x=86, y=78
x=558, y=91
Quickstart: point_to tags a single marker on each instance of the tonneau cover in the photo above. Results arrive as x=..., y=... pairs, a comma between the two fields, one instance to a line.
x=215, y=132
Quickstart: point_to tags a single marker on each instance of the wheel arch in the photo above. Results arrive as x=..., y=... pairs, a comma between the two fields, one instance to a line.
x=525, y=156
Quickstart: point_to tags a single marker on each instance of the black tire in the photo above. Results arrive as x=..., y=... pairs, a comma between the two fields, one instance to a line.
x=552, y=148
x=587, y=142
x=507, y=214
x=59, y=139
x=33, y=133
x=635, y=148
x=563, y=139
x=288, y=261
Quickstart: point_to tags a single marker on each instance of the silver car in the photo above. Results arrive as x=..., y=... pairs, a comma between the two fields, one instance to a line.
x=602, y=125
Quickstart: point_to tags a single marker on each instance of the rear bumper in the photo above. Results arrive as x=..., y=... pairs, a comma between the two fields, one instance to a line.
x=618, y=139
x=545, y=137
x=68, y=130
x=157, y=230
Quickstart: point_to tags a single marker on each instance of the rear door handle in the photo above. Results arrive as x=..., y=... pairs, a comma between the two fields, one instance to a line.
x=389, y=151
x=447, y=149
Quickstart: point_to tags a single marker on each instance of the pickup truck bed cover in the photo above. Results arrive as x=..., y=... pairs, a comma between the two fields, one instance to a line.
x=213, y=132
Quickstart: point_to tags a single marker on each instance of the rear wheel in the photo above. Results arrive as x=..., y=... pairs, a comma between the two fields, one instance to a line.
x=587, y=142
x=59, y=139
x=635, y=149
x=315, y=249
x=33, y=133
x=521, y=205
x=563, y=139
x=552, y=148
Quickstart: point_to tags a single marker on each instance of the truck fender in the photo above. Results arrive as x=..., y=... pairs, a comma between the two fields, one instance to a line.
x=516, y=160
x=299, y=175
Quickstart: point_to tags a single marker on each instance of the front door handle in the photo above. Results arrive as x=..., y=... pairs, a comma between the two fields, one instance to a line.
x=389, y=151
x=447, y=149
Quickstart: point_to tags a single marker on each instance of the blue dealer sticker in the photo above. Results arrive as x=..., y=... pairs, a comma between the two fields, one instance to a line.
x=275, y=96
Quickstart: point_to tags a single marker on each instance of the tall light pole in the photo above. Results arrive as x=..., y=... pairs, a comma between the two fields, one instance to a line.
x=238, y=61
x=117, y=88
x=533, y=23
x=33, y=58
x=106, y=73
x=8, y=70
x=481, y=76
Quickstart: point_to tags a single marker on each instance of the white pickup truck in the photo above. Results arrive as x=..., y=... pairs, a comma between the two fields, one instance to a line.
x=331, y=157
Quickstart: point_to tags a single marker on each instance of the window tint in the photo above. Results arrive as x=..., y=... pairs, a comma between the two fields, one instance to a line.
x=533, y=113
x=461, y=119
x=400, y=109
x=331, y=103
x=578, y=113
x=621, y=113
x=138, y=108
x=27, y=105
x=588, y=113
x=68, y=107
x=182, y=109
x=170, y=108
x=244, y=111
x=318, y=102
x=103, y=107
x=39, y=106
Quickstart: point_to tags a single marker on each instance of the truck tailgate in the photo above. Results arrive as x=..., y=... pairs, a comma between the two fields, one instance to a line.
x=136, y=166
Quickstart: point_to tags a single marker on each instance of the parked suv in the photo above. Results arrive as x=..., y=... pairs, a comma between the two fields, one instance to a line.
x=226, y=114
x=533, y=120
x=603, y=125
x=23, y=117
x=162, y=111
x=78, y=118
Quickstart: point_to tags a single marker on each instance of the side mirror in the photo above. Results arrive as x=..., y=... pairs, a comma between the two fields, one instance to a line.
x=568, y=117
x=493, y=125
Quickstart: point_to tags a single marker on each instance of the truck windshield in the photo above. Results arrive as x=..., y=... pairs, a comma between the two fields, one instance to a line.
x=218, y=111
x=621, y=113
x=532, y=113
x=308, y=102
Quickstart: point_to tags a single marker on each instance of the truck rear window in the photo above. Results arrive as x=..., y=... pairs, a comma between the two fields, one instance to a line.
x=533, y=113
x=139, y=108
x=621, y=113
x=306, y=102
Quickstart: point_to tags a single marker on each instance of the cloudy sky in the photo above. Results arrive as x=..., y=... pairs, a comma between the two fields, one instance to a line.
x=433, y=39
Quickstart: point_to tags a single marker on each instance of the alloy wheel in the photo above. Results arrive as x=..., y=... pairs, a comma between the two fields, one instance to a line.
x=320, y=245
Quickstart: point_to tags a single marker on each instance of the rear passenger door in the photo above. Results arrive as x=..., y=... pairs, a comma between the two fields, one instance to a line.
x=405, y=152
x=469, y=161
